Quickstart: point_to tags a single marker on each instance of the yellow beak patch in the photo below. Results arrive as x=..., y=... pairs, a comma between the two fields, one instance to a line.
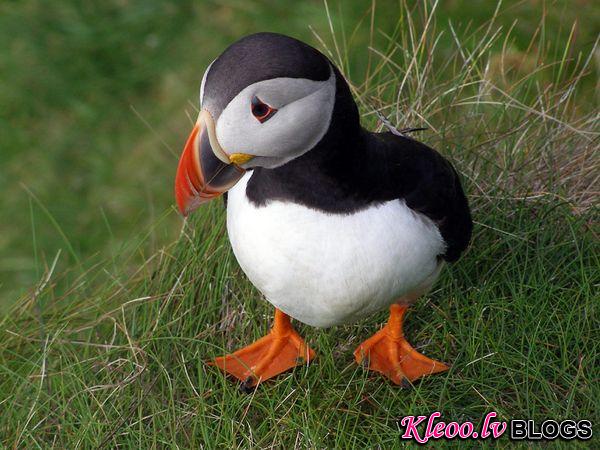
x=240, y=158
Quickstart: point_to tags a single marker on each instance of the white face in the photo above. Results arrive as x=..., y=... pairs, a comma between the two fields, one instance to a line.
x=304, y=108
x=204, y=81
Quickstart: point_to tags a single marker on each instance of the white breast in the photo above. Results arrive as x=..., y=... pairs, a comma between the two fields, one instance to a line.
x=324, y=269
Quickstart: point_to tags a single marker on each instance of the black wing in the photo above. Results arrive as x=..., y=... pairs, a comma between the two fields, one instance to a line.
x=428, y=183
x=375, y=167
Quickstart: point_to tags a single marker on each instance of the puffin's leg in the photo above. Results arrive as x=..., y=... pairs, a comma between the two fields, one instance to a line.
x=278, y=351
x=389, y=353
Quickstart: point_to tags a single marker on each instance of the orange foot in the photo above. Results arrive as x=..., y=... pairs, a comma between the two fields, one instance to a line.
x=280, y=350
x=387, y=352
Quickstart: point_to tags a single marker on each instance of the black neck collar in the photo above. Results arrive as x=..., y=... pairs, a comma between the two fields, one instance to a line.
x=324, y=177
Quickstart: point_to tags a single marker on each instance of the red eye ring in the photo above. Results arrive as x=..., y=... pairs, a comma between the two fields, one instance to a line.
x=261, y=110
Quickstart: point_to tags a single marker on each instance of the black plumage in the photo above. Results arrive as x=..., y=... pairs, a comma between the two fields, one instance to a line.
x=259, y=57
x=350, y=168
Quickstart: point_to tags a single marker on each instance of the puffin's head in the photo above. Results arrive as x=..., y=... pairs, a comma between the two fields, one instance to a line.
x=266, y=100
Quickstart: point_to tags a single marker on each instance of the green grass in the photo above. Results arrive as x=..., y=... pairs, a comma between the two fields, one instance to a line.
x=113, y=304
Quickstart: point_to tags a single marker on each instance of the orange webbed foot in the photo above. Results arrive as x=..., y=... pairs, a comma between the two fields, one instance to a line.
x=390, y=354
x=277, y=352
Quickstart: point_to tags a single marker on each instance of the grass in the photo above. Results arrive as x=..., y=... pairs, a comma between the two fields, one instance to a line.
x=126, y=302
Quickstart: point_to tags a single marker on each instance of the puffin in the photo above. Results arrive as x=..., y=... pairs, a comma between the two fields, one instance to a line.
x=330, y=222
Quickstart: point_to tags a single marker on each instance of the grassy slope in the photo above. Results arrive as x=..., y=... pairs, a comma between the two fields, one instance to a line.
x=111, y=351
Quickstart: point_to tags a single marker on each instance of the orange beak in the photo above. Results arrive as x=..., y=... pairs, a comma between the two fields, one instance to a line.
x=202, y=173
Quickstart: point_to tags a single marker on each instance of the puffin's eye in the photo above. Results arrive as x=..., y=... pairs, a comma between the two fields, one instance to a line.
x=261, y=110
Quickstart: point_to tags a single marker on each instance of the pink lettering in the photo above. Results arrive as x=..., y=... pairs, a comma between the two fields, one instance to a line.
x=451, y=430
x=498, y=429
x=465, y=430
x=486, y=424
x=438, y=430
x=411, y=428
x=429, y=431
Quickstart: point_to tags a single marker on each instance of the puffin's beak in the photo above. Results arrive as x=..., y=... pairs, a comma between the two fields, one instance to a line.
x=205, y=171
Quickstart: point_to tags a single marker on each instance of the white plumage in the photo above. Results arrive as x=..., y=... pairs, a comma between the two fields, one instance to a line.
x=325, y=269
x=304, y=109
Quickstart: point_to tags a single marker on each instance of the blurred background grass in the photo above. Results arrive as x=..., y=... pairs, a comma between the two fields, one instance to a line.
x=96, y=100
